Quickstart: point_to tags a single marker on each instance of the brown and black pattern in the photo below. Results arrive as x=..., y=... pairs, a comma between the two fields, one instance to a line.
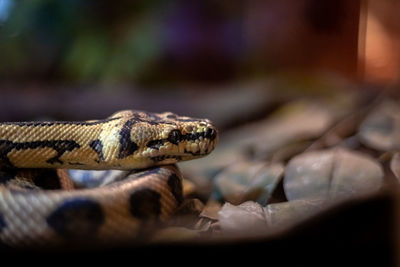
x=120, y=141
x=60, y=146
x=128, y=140
x=175, y=137
x=97, y=146
x=127, y=146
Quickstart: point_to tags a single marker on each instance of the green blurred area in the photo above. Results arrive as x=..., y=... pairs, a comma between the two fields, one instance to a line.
x=103, y=41
x=165, y=42
x=79, y=40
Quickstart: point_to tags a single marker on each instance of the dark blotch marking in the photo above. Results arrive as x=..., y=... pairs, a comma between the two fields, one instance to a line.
x=77, y=163
x=145, y=204
x=127, y=146
x=193, y=137
x=5, y=147
x=156, y=144
x=174, y=137
x=2, y=222
x=175, y=185
x=77, y=218
x=97, y=146
x=60, y=146
x=210, y=133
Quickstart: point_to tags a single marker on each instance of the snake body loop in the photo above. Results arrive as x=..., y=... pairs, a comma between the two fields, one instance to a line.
x=144, y=144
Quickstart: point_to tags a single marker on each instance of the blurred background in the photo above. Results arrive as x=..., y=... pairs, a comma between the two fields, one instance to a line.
x=81, y=60
x=295, y=68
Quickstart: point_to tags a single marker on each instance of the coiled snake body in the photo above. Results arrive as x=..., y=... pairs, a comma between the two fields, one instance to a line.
x=127, y=140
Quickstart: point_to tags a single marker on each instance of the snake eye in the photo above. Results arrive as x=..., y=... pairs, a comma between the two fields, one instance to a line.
x=174, y=136
x=210, y=133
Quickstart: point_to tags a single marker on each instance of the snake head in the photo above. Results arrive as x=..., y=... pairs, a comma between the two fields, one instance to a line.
x=167, y=138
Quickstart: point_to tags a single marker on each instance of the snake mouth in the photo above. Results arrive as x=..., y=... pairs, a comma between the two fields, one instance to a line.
x=183, y=146
x=201, y=148
x=192, y=150
x=199, y=144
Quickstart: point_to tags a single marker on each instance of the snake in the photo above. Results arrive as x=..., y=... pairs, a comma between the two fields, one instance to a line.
x=37, y=210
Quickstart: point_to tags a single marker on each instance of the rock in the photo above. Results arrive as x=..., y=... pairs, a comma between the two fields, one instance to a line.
x=308, y=175
x=289, y=213
x=285, y=153
x=211, y=210
x=204, y=225
x=334, y=173
x=381, y=129
x=295, y=121
x=248, y=180
x=395, y=165
x=247, y=219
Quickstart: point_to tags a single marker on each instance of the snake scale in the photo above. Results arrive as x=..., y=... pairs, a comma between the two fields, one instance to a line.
x=145, y=145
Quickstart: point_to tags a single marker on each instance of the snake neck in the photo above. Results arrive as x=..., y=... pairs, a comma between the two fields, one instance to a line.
x=53, y=144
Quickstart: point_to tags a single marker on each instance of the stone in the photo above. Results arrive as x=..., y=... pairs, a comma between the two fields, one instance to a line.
x=331, y=174
x=249, y=180
x=295, y=121
x=211, y=210
x=285, y=214
x=395, y=165
x=247, y=219
x=381, y=128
